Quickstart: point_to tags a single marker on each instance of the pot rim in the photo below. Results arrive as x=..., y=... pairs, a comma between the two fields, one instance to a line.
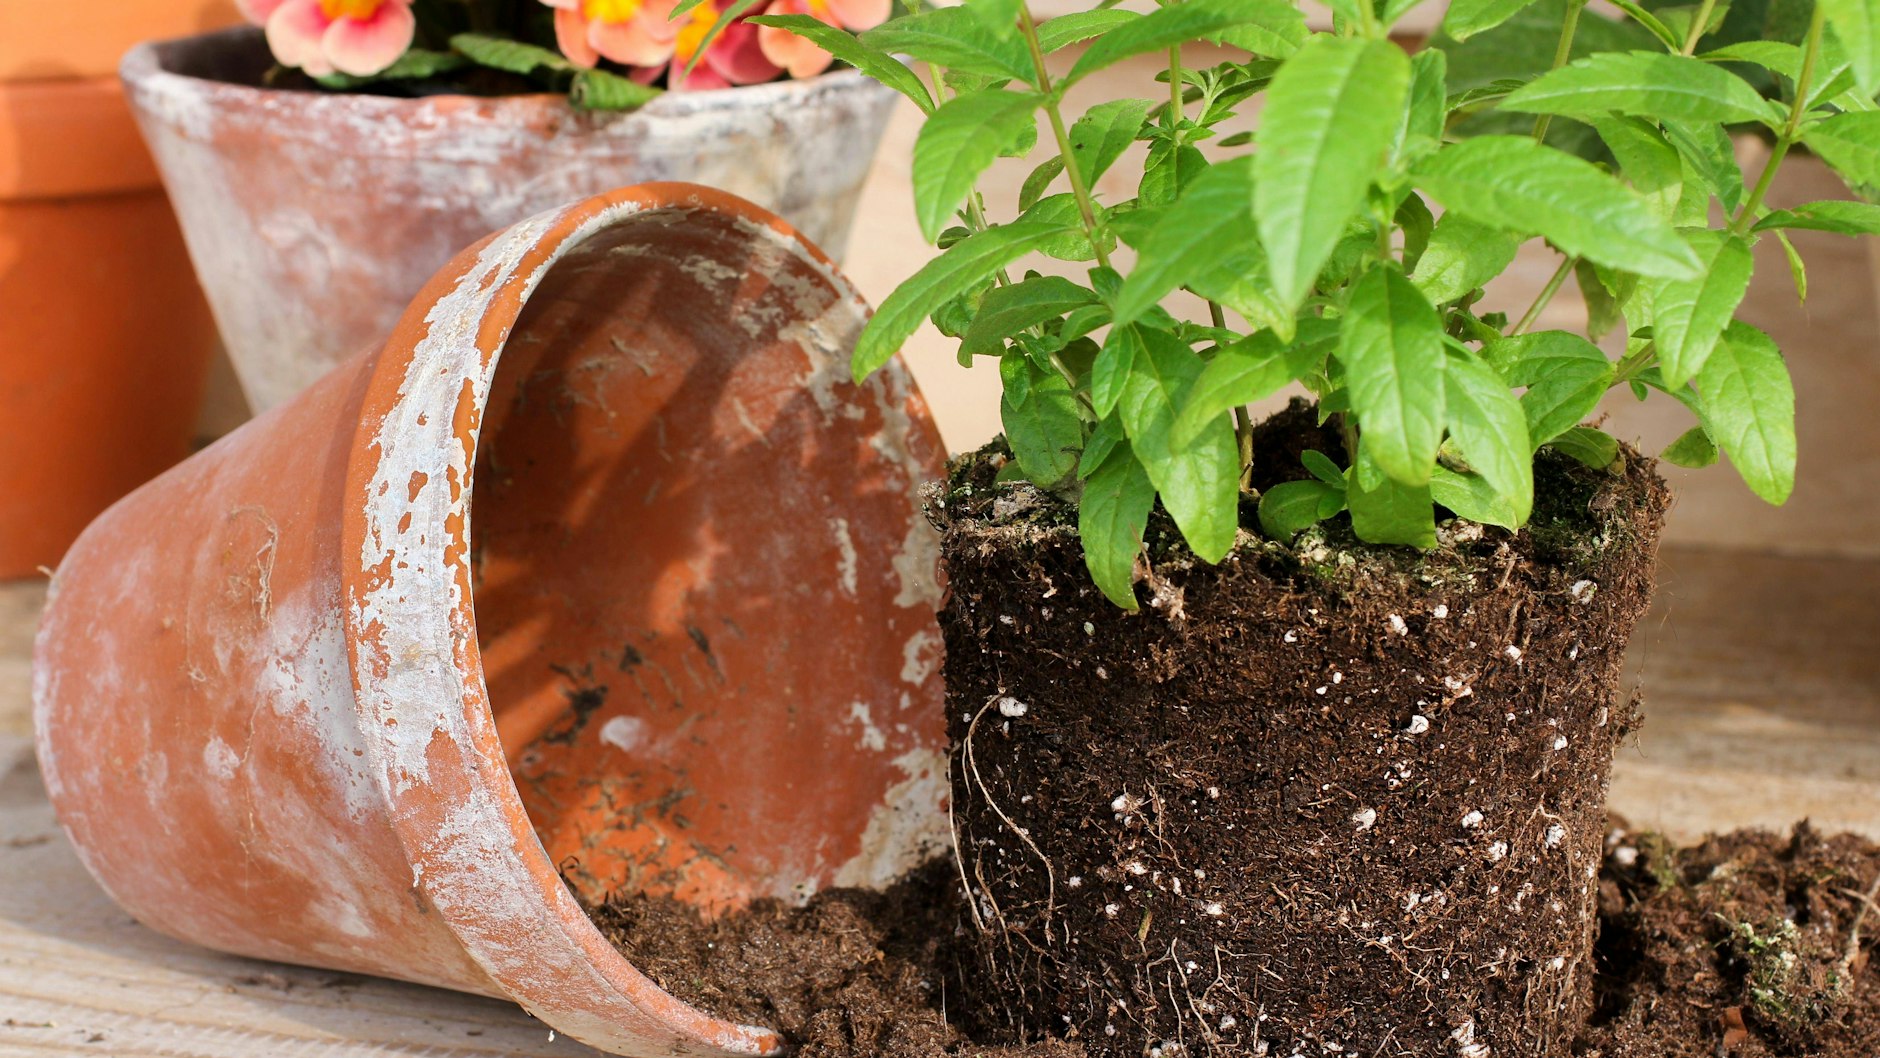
x=150, y=68
x=414, y=645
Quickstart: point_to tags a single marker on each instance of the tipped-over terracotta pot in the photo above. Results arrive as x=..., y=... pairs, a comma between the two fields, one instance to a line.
x=601, y=568
x=104, y=337
x=313, y=217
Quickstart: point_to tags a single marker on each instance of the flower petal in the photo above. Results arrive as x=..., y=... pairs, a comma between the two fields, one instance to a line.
x=738, y=57
x=703, y=79
x=629, y=43
x=294, y=30
x=861, y=14
x=257, y=11
x=364, y=46
x=784, y=48
x=571, y=35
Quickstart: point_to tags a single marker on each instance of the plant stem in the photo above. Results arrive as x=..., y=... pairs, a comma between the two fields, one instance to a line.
x=1546, y=295
x=1174, y=87
x=1562, y=52
x=1086, y=207
x=1702, y=20
x=1790, y=131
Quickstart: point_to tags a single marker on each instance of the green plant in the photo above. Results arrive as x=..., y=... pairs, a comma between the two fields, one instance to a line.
x=1315, y=246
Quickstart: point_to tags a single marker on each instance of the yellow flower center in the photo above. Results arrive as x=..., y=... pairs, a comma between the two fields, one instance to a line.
x=359, y=10
x=611, y=11
x=692, y=34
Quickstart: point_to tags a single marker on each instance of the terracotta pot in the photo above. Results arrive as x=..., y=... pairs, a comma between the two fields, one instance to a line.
x=106, y=338
x=45, y=41
x=314, y=217
x=293, y=702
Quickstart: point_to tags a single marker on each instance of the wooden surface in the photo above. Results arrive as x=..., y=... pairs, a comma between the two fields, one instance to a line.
x=1761, y=676
x=1762, y=704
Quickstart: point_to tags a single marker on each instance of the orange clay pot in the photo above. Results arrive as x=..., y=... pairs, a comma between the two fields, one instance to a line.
x=601, y=566
x=104, y=337
x=313, y=217
x=43, y=41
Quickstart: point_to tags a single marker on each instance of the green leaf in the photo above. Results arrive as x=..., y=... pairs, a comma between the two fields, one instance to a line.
x=1462, y=255
x=1689, y=314
x=1175, y=25
x=999, y=16
x=1068, y=29
x=1210, y=224
x=1320, y=466
x=1105, y=131
x=1565, y=376
x=1856, y=24
x=1666, y=36
x=1642, y=84
x=1515, y=183
x=1471, y=496
x=1238, y=375
x=971, y=261
x=600, y=90
x=1749, y=408
x=416, y=64
x=1039, y=181
x=1490, y=426
x=1466, y=18
x=1200, y=481
x=1710, y=154
x=1391, y=512
x=1595, y=448
x=1110, y=374
x=957, y=144
x=1111, y=518
x=1276, y=32
x=1798, y=270
x=955, y=38
x=1042, y=425
x=1693, y=449
x=1605, y=307
x=501, y=53
x=1844, y=218
x=1647, y=161
x=1428, y=112
x=1007, y=311
x=843, y=45
x=1772, y=55
x=1331, y=115
x=1851, y=144
x=1392, y=349
x=1168, y=171
x=1291, y=507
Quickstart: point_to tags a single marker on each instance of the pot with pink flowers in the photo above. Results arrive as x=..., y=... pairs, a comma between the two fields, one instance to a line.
x=326, y=161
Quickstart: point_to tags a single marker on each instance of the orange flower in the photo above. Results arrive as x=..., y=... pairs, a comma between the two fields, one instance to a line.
x=357, y=37
x=797, y=54
x=733, y=58
x=629, y=32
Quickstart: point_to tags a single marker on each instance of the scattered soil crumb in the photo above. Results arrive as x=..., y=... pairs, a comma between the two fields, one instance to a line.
x=853, y=974
x=1749, y=945
x=1735, y=948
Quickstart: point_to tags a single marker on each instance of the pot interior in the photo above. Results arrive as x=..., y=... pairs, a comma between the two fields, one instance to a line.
x=700, y=598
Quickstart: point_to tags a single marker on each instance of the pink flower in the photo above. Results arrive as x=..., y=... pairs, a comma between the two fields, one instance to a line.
x=357, y=37
x=799, y=56
x=734, y=57
x=629, y=32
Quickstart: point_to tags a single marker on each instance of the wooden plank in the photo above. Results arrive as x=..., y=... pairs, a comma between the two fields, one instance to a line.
x=80, y=977
x=1762, y=706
